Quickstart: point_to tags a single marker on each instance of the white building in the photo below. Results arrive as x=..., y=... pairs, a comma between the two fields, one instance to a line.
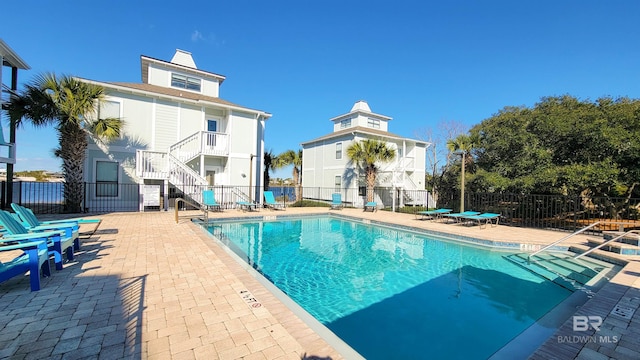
x=9, y=60
x=177, y=131
x=325, y=164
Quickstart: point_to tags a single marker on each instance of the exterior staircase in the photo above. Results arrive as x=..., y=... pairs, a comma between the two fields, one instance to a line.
x=172, y=164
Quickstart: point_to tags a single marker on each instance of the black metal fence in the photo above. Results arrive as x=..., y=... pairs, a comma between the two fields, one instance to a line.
x=556, y=211
x=537, y=211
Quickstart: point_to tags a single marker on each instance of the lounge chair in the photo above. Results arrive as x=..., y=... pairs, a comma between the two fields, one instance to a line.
x=34, y=258
x=60, y=239
x=247, y=206
x=270, y=201
x=29, y=219
x=483, y=219
x=209, y=201
x=336, y=201
x=432, y=214
x=371, y=206
x=457, y=216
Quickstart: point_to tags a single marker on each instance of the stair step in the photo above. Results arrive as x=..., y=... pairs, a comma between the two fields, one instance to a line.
x=568, y=267
x=631, y=239
x=536, y=268
x=616, y=247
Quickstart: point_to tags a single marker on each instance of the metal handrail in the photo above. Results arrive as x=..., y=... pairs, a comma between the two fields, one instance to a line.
x=605, y=243
x=176, y=207
x=561, y=240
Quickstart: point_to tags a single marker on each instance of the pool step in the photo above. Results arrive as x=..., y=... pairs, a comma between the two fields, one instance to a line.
x=558, y=274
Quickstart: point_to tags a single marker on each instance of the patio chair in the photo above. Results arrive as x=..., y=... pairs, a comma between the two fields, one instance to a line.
x=33, y=260
x=336, y=201
x=247, y=206
x=209, y=201
x=371, y=206
x=432, y=214
x=29, y=219
x=60, y=239
x=270, y=201
x=457, y=216
x=484, y=219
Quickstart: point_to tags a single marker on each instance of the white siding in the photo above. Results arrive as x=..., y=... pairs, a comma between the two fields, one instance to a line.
x=165, y=130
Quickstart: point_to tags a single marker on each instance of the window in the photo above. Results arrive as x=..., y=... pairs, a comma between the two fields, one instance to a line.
x=345, y=123
x=373, y=123
x=400, y=152
x=338, y=183
x=212, y=125
x=106, y=179
x=109, y=109
x=185, y=82
x=338, y=151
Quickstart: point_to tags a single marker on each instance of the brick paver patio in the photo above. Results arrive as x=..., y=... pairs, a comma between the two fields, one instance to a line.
x=144, y=287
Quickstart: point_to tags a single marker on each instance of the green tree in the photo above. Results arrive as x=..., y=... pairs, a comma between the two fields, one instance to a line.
x=366, y=154
x=562, y=146
x=71, y=105
x=294, y=158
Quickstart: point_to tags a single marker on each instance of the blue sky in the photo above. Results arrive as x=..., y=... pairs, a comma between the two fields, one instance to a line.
x=420, y=62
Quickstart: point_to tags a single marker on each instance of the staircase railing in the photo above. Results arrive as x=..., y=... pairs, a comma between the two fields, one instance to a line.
x=152, y=164
x=200, y=142
x=606, y=242
x=191, y=182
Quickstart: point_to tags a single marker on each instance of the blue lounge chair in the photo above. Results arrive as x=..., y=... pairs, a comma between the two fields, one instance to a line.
x=483, y=219
x=34, y=258
x=457, y=216
x=336, y=201
x=29, y=219
x=60, y=239
x=371, y=206
x=270, y=201
x=432, y=214
x=209, y=201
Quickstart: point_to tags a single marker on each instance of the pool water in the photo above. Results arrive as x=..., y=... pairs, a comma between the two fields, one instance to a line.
x=394, y=294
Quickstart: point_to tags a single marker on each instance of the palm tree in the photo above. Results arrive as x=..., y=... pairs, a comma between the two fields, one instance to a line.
x=270, y=162
x=366, y=153
x=291, y=157
x=71, y=105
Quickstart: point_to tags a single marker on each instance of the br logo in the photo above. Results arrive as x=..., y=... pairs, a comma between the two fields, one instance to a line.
x=582, y=322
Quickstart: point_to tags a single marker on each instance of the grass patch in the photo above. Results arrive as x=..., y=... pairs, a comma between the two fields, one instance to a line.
x=309, y=203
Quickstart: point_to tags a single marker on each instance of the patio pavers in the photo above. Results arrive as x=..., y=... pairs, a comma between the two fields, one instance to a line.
x=144, y=287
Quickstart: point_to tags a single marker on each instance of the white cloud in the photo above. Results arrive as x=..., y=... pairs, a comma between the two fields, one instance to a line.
x=197, y=36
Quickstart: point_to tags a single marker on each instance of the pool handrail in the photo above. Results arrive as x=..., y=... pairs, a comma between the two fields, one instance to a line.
x=606, y=242
x=572, y=235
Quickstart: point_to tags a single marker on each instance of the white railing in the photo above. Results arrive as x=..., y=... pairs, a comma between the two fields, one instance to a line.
x=189, y=181
x=201, y=142
x=152, y=165
x=215, y=143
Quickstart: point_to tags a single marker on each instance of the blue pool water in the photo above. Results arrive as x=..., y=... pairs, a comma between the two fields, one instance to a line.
x=393, y=294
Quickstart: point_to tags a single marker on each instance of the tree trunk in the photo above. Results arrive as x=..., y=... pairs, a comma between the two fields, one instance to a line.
x=371, y=182
x=72, y=151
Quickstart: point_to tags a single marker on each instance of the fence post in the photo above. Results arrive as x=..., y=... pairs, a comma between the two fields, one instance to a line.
x=3, y=195
x=84, y=198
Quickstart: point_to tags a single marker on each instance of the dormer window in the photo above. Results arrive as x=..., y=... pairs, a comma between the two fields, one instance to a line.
x=373, y=123
x=345, y=123
x=185, y=82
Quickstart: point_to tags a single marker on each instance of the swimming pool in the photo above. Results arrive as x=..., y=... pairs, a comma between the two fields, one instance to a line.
x=391, y=293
